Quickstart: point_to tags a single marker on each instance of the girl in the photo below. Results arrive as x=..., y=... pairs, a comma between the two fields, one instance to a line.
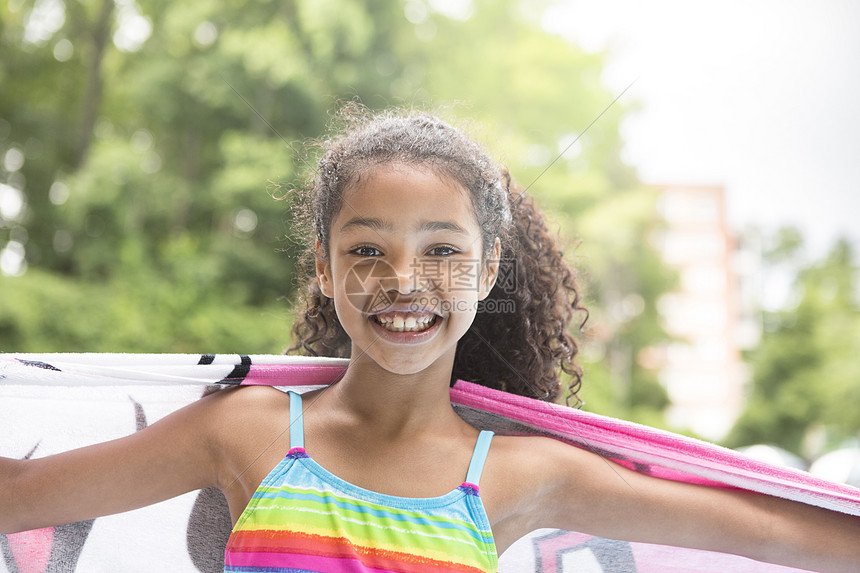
x=416, y=238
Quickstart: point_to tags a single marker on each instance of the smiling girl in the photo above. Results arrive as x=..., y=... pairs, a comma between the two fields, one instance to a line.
x=429, y=265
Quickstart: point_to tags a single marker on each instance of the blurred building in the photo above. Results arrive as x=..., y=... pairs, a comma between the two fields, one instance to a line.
x=712, y=314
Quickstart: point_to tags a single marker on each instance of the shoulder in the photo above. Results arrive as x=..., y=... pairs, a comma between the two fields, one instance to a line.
x=556, y=466
x=239, y=408
x=537, y=480
x=236, y=399
x=233, y=418
x=521, y=469
x=245, y=426
x=543, y=459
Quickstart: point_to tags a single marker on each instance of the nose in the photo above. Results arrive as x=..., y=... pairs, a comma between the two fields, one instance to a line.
x=407, y=277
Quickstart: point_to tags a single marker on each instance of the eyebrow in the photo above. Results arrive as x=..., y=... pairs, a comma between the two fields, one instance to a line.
x=386, y=226
x=375, y=224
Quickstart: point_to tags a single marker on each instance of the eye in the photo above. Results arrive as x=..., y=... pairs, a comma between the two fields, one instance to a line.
x=366, y=251
x=443, y=251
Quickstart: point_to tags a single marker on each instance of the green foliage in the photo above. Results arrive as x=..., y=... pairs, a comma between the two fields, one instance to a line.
x=151, y=164
x=806, y=376
x=139, y=313
x=150, y=169
x=625, y=277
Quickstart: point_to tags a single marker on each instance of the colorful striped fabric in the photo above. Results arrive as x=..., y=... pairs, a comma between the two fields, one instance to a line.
x=303, y=518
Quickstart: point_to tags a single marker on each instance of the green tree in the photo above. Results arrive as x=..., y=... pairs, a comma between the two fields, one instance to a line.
x=806, y=377
x=154, y=135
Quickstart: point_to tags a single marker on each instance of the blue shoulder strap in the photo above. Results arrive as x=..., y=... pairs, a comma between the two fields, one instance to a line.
x=297, y=432
x=479, y=456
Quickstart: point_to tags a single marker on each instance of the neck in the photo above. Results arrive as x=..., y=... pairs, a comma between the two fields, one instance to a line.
x=396, y=403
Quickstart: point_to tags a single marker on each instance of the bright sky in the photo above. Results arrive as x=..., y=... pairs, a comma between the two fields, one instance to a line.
x=761, y=96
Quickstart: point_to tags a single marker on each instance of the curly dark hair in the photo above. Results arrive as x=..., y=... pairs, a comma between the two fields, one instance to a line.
x=522, y=352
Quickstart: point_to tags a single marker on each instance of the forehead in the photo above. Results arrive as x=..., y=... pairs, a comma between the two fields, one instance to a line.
x=400, y=193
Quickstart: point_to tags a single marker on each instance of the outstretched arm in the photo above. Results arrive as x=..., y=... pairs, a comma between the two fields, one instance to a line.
x=168, y=458
x=584, y=492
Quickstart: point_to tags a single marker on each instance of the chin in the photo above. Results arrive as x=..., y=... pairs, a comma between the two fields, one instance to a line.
x=402, y=364
x=405, y=368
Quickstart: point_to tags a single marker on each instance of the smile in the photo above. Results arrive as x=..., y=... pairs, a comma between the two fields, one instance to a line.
x=405, y=321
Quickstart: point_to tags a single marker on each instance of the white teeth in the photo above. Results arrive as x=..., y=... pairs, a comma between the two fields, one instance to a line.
x=397, y=322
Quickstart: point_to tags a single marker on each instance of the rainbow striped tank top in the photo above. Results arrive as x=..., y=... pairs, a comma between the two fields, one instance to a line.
x=303, y=518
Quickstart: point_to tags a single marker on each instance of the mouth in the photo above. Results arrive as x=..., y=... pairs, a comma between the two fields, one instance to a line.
x=405, y=321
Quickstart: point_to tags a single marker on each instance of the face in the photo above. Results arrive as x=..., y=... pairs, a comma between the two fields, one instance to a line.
x=405, y=267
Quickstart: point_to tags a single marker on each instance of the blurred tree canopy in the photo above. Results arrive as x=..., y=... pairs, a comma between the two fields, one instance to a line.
x=143, y=144
x=152, y=137
x=805, y=373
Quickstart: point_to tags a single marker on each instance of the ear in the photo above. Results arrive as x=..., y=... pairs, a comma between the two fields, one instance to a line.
x=323, y=270
x=490, y=270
